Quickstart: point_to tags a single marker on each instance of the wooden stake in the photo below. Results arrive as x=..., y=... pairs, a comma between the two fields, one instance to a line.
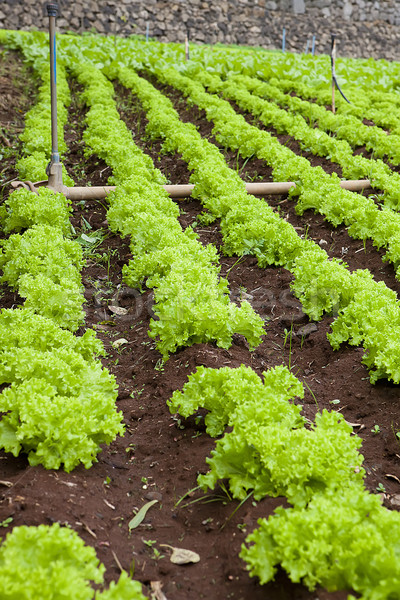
x=187, y=53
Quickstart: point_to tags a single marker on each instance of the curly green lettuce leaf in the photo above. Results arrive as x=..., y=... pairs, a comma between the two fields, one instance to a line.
x=223, y=391
x=60, y=404
x=271, y=455
x=48, y=563
x=61, y=301
x=24, y=209
x=123, y=589
x=44, y=267
x=22, y=328
x=57, y=430
x=53, y=563
x=41, y=249
x=343, y=540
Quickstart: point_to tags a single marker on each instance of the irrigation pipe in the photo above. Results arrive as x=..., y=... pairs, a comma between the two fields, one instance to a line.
x=180, y=191
x=333, y=71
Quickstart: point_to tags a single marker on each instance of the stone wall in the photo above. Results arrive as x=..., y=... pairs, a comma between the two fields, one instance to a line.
x=355, y=10
x=364, y=28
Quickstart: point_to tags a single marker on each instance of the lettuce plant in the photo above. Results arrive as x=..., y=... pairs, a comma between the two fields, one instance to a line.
x=269, y=450
x=344, y=539
x=42, y=249
x=53, y=563
x=21, y=210
x=44, y=267
x=60, y=403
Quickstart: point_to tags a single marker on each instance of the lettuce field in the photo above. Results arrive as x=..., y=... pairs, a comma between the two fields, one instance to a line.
x=199, y=394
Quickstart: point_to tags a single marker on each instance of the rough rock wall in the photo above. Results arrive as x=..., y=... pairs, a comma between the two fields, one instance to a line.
x=364, y=28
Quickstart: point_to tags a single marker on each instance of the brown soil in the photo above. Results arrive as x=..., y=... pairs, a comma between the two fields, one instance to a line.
x=17, y=92
x=160, y=455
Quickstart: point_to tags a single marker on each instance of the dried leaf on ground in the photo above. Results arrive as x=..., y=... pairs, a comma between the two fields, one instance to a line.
x=181, y=556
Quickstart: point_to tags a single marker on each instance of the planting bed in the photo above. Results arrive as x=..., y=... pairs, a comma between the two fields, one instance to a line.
x=160, y=455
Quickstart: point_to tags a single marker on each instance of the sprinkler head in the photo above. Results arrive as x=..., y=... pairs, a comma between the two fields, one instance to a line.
x=52, y=9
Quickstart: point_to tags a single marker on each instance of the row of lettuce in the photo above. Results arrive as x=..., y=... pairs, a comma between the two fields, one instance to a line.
x=59, y=404
x=266, y=430
x=44, y=364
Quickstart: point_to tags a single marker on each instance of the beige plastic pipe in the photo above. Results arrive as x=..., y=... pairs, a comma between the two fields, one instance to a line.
x=184, y=191
x=180, y=191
